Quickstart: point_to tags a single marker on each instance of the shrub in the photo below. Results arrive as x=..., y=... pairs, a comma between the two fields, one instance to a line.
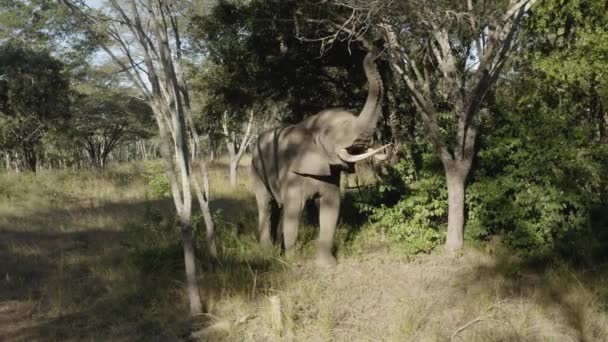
x=158, y=184
x=537, y=181
x=410, y=205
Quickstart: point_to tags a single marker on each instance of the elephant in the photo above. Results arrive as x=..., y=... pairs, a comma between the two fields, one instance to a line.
x=295, y=163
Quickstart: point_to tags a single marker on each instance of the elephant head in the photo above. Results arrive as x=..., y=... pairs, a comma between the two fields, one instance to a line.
x=338, y=138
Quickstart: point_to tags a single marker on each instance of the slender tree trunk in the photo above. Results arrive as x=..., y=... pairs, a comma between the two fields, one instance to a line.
x=190, y=262
x=182, y=200
x=456, y=204
x=236, y=150
x=234, y=164
x=30, y=160
x=203, y=199
x=602, y=127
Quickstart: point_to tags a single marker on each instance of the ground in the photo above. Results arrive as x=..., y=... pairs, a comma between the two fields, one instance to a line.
x=88, y=255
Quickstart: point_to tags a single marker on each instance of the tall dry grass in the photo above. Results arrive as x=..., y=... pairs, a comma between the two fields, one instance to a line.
x=87, y=255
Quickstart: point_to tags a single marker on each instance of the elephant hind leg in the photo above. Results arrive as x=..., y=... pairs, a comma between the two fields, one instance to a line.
x=292, y=212
x=265, y=208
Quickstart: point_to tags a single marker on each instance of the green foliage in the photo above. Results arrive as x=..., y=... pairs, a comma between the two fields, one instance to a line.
x=255, y=57
x=158, y=184
x=418, y=217
x=33, y=99
x=154, y=245
x=106, y=115
x=539, y=177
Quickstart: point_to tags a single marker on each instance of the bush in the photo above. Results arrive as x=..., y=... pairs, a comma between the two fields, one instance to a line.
x=158, y=184
x=537, y=181
x=410, y=205
x=419, y=219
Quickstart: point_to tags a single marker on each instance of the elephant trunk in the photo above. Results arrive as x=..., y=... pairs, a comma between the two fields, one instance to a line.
x=365, y=125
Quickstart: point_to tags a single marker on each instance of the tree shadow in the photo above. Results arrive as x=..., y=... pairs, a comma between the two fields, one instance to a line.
x=561, y=292
x=115, y=283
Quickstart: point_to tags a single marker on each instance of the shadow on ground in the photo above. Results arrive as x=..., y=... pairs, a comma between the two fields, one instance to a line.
x=92, y=279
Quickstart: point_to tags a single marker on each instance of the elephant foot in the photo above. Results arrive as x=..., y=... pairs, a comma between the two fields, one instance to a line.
x=326, y=260
x=266, y=243
x=290, y=256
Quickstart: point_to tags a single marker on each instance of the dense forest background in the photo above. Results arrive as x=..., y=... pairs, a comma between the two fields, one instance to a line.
x=78, y=94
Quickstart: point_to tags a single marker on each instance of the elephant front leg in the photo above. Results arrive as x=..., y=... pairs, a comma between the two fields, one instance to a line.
x=328, y=218
x=292, y=211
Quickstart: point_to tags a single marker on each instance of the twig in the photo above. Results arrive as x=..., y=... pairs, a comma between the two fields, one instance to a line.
x=476, y=320
x=283, y=262
x=486, y=317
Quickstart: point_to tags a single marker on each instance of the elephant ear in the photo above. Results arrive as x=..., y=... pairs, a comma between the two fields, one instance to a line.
x=311, y=159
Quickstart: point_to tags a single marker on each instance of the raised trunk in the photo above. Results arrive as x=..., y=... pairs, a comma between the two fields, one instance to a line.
x=366, y=122
x=456, y=190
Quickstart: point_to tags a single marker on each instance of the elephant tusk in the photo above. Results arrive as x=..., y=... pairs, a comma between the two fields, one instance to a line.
x=381, y=157
x=347, y=157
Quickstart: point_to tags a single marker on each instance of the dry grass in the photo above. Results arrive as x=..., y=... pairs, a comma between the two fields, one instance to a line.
x=94, y=256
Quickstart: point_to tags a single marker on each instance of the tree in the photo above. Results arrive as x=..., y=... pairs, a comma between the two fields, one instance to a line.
x=105, y=118
x=448, y=55
x=236, y=143
x=222, y=110
x=106, y=113
x=263, y=63
x=144, y=39
x=33, y=99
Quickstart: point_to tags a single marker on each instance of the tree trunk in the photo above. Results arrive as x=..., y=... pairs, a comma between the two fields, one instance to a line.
x=30, y=160
x=234, y=164
x=190, y=263
x=456, y=203
x=602, y=123
x=203, y=200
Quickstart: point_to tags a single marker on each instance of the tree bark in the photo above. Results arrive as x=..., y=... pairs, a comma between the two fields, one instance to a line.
x=456, y=204
x=234, y=164
x=30, y=159
x=190, y=263
x=236, y=149
x=603, y=122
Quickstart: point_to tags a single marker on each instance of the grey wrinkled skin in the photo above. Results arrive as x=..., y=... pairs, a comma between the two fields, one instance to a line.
x=295, y=163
